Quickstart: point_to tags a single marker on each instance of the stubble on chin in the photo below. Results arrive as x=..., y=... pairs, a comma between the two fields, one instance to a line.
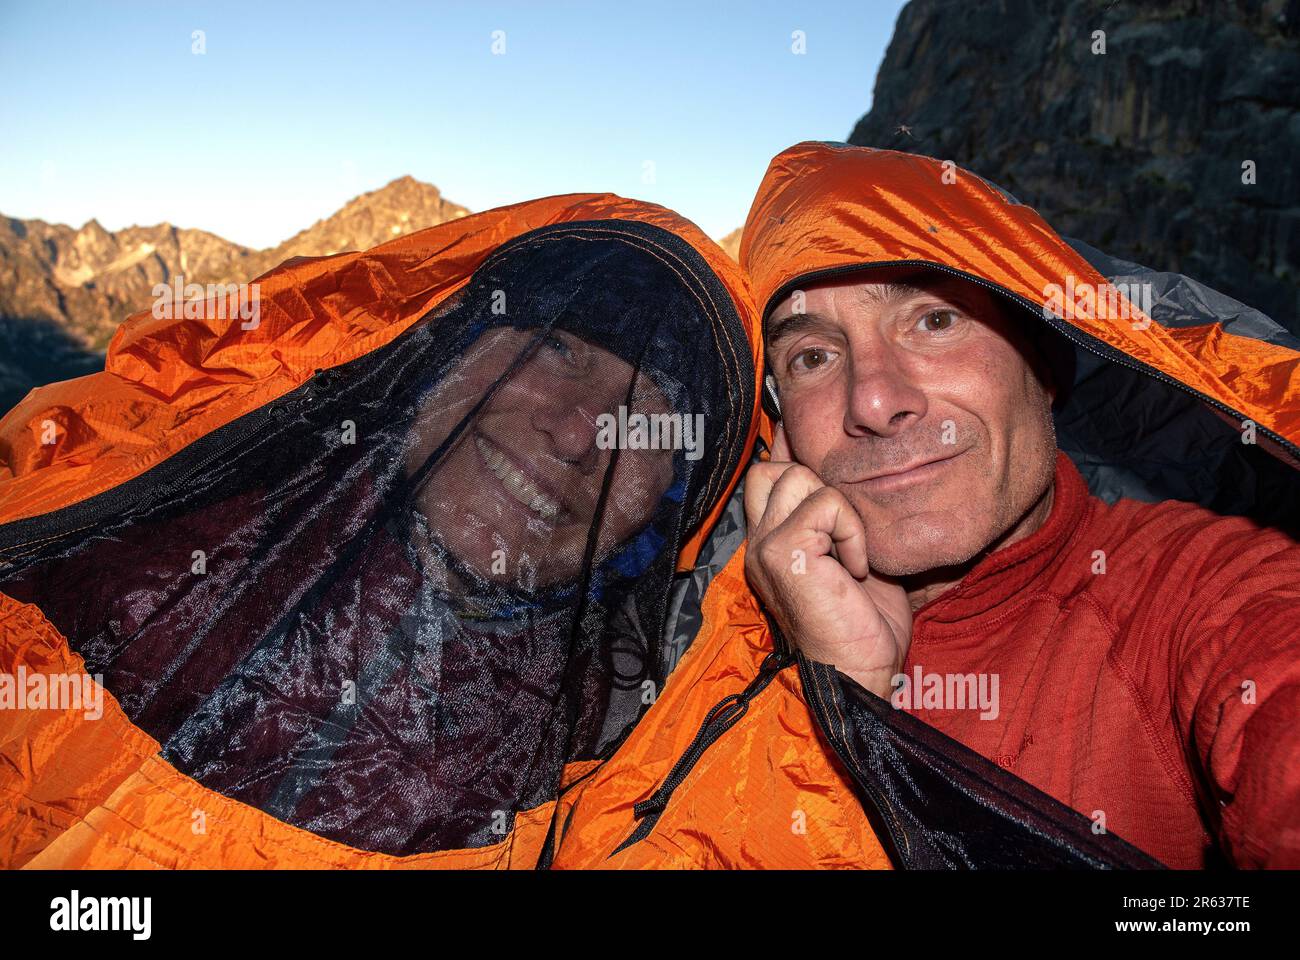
x=916, y=544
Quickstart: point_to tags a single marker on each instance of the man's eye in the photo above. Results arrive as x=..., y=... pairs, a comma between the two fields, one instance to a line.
x=556, y=344
x=936, y=321
x=809, y=359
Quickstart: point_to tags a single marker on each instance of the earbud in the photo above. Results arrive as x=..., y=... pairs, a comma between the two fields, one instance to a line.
x=771, y=400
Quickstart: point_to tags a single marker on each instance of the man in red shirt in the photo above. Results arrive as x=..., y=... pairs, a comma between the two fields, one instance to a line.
x=919, y=527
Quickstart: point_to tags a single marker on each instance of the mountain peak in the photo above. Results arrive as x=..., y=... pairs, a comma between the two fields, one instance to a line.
x=401, y=206
x=88, y=280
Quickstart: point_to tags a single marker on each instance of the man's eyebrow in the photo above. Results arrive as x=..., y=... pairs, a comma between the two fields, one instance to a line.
x=795, y=323
x=960, y=293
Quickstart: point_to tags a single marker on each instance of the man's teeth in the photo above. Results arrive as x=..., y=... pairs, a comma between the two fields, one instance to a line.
x=516, y=483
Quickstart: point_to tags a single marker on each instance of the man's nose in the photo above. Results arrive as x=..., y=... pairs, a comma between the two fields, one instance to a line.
x=571, y=427
x=883, y=399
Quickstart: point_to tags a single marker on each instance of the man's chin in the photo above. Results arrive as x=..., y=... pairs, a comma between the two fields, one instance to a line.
x=900, y=567
x=491, y=563
x=910, y=549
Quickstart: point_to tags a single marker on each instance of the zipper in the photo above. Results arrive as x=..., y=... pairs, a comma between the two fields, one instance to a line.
x=276, y=411
x=265, y=418
x=812, y=674
x=1067, y=330
x=725, y=714
x=155, y=485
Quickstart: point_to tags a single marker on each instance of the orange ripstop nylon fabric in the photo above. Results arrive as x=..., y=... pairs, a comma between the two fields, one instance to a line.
x=766, y=795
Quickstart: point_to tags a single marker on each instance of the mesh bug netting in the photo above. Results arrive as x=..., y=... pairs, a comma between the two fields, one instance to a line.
x=393, y=605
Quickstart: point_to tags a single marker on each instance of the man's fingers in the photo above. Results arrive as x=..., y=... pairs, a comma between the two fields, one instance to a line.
x=789, y=506
x=760, y=478
x=781, y=445
x=792, y=488
x=826, y=513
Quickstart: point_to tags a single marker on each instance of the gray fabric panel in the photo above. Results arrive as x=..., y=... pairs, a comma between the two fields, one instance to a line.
x=684, y=605
x=1134, y=436
x=1180, y=301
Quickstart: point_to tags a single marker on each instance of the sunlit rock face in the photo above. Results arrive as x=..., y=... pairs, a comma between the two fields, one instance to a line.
x=63, y=290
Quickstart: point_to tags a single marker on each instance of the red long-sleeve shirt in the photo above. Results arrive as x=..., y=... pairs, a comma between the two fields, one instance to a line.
x=1160, y=697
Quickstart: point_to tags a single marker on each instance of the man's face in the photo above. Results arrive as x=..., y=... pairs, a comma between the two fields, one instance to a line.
x=912, y=394
x=516, y=495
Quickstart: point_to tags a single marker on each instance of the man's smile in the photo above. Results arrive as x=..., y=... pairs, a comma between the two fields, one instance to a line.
x=888, y=480
x=517, y=482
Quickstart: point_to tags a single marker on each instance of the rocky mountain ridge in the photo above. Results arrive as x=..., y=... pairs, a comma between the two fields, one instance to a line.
x=1161, y=133
x=64, y=290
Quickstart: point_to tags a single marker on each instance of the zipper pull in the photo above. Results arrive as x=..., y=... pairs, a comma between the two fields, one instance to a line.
x=718, y=715
x=725, y=713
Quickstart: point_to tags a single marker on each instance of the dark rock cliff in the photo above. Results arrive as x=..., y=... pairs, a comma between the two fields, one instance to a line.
x=1138, y=150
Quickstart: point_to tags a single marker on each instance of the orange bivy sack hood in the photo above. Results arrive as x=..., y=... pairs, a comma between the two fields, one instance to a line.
x=366, y=576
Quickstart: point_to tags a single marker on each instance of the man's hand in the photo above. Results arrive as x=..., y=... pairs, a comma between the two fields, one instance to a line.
x=807, y=561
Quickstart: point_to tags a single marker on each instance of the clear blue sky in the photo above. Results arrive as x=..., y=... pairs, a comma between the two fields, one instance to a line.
x=297, y=107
